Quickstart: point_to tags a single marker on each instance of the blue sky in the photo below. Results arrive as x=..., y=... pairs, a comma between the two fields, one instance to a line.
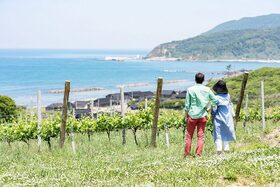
x=116, y=24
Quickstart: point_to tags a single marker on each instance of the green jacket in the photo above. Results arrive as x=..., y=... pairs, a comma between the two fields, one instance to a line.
x=197, y=99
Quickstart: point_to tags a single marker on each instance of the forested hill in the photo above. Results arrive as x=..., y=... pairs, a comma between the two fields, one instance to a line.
x=222, y=43
x=259, y=22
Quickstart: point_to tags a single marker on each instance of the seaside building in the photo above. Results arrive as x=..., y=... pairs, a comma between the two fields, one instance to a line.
x=168, y=94
x=139, y=95
x=54, y=107
x=79, y=113
x=181, y=95
x=81, y=105
x=104, y=102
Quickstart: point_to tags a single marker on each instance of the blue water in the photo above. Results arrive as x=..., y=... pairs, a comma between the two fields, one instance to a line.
x=23, y=72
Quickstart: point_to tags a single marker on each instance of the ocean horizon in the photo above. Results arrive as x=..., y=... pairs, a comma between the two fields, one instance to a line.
x=25, y=71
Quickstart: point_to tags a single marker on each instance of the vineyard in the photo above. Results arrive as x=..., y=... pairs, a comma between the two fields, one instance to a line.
x=26, y=129
x=94, y=153
x=100, y=159
x=100, y=162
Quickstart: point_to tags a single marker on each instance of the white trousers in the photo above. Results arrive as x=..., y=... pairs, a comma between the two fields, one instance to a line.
x=219, y=145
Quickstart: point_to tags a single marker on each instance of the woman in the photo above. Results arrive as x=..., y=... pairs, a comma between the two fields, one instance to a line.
x=222, y=116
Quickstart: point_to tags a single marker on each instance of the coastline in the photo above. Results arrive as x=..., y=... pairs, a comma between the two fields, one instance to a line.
x=244, y=60
x=164, y=59
x=175, y=95
x=88, y=74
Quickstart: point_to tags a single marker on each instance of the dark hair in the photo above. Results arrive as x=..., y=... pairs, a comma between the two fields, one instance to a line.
x=220, y=87
x=199, y=78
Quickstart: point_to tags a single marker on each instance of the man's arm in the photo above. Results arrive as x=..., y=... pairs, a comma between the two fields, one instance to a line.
x=187, y=102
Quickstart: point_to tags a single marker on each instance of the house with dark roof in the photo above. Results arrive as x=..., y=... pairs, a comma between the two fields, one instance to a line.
x=54, y=107
x=134, y=94
x=79, y=113
x=168, y=94
x=81, y=105
x=117, y=96
x=181, y=95
x=103, y=102
x=148, y=94
x=134, y=107
x=58, y=106
x=140, y=94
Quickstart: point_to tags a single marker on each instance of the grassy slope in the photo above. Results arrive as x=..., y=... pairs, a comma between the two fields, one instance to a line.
x=270, y=76
x=110, y=164
x=272, y=88
x=235, y=44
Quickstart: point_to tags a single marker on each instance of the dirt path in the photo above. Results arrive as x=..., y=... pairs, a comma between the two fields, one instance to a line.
x=273, y=138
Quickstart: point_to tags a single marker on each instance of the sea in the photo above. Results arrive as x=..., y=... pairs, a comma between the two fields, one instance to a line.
x=24, y=72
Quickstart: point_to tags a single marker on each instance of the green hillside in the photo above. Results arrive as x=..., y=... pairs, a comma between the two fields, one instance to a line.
x=270, y=76
x=248, y=38
x=238, y=44
x=259, y=22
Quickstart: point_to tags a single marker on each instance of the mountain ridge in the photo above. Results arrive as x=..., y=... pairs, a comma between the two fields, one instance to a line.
x=258, y=22
x=260, y=42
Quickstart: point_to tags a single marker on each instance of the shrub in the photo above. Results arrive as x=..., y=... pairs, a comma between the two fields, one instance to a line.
x=8, y=109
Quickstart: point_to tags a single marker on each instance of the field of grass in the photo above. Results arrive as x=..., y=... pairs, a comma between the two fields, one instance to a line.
x=269, y=75
x=102, y=163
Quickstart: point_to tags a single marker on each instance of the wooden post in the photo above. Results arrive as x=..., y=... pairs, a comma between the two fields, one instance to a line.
x=146, y=134
x=166, y=136
x=91, y=108
x=241, y=96
x=97, y=112
x=111, y=107
x=262, y=101
x=64, y=113
x=20, y=117
x=26, y=116
x=246, y=110
x=122, y=113
x=146, y=103
x=156, y=112
x=31, y=108
x=51, y=116
x=39, y=118
x=72, y=134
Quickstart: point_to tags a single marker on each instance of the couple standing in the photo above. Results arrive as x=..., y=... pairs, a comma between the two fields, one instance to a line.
x=197, y=100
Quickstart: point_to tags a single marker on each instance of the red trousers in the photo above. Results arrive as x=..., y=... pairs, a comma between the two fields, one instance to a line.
x=191, y=125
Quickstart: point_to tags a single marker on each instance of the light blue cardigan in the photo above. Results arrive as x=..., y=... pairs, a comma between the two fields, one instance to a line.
x=222, y=119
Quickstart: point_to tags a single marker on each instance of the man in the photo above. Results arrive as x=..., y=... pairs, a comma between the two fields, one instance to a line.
x=197, y=99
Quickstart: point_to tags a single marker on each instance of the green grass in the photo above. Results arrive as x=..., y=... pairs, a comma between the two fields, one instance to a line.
x=269, y=75
x=103, y=163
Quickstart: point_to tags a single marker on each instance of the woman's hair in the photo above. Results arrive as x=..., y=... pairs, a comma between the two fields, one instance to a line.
x=220, y=87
